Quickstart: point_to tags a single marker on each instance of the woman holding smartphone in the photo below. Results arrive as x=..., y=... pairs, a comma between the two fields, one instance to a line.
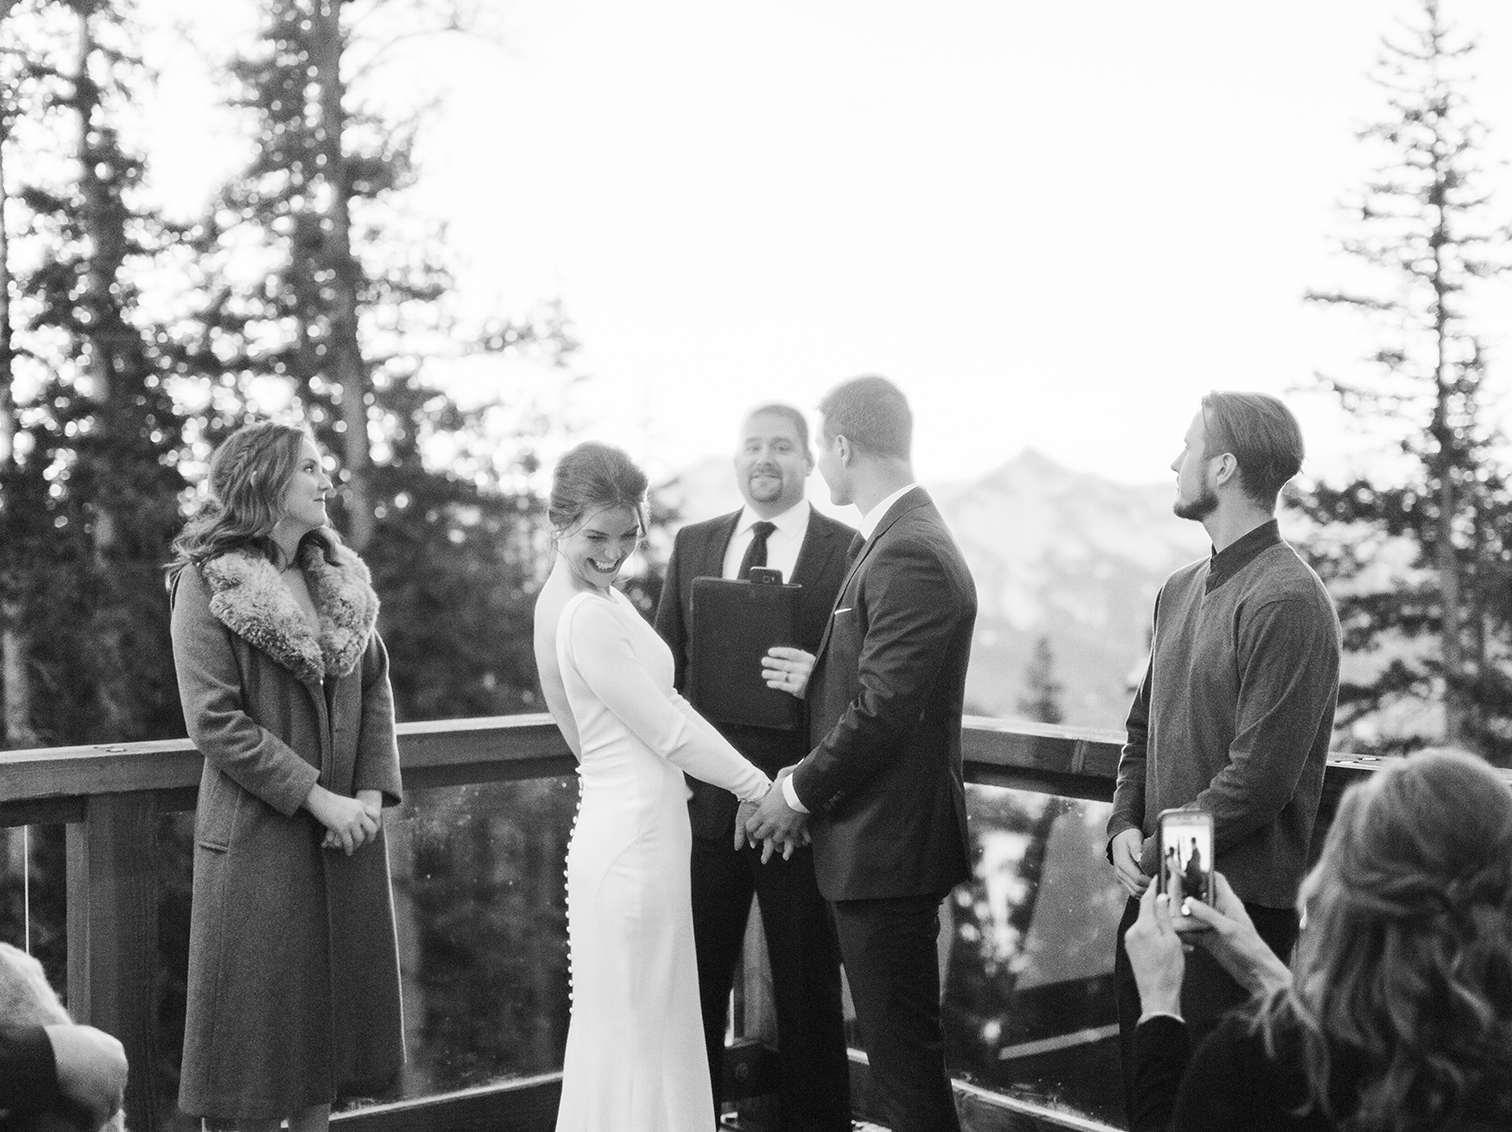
x=1397, y=1013
x=293, y=991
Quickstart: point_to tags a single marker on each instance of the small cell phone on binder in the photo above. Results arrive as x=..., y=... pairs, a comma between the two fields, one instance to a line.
x=734, y=624
x=1186, y=855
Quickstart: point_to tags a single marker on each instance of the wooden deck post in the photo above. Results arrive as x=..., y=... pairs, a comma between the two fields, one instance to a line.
x=112, y=935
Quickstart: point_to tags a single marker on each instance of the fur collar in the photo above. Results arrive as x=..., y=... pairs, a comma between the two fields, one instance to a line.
x=247, y=597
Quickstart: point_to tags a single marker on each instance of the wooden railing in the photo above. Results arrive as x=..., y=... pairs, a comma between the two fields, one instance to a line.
x=109, y=797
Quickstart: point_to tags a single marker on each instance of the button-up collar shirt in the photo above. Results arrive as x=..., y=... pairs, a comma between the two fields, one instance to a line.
x=783, y=544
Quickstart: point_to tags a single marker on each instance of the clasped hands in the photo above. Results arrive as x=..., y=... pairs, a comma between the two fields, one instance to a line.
x=771, y=821
x=1158, y=940
x=350, y=823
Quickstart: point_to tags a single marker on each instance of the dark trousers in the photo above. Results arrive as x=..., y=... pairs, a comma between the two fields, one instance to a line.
x=805, y=959
x=891, y=962
x=1207, y=990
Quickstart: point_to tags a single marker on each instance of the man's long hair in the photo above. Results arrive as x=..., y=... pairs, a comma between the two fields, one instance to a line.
x=1404, y=968
x=249, y=476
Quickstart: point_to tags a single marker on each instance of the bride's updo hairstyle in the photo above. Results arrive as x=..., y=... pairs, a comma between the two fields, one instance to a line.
x=591, y=477
x=249, y=477
x=1406, y=958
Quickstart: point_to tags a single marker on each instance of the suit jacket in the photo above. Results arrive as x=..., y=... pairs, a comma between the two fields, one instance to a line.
x=698, y=552
x=884, y=776
x=28, y=1073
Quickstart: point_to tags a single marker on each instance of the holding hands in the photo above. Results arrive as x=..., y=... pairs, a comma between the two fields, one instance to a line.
x=776, y=823
x=745, y=816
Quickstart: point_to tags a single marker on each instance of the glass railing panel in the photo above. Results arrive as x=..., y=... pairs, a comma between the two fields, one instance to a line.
x=480, y=907
x=1027, y=954
x=33, y=896
x=480, y=899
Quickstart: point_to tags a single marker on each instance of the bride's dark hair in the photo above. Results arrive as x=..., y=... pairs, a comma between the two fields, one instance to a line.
x=591, y=477
x=249, y=476
x=1405, y=966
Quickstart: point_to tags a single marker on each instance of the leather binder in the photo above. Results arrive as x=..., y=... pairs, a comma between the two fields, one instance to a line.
x=734, y=623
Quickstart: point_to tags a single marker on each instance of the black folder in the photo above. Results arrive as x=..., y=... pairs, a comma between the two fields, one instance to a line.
x=734, y=623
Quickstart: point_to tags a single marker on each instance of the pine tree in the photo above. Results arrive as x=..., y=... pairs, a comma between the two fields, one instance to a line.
x=1423, y=233
x=325, y=281
x=91, y=482
x=1042, y=691
x=88, y=479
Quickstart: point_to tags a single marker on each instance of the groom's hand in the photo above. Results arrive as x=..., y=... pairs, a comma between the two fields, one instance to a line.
x=776, y=823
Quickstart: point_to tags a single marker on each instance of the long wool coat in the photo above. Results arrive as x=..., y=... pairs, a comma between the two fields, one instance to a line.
x=293, y=961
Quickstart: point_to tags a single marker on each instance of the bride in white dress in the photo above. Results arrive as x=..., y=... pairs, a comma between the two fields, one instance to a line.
x=635, y=1059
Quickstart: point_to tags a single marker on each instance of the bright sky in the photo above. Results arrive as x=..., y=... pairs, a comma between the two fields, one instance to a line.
x=1053, y=225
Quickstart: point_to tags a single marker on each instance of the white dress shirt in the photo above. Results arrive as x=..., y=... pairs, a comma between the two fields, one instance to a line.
x=783, y=544
x=867, y=526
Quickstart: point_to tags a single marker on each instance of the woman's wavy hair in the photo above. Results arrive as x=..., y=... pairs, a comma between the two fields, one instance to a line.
x=593, y=476
x=249, y=476
x=1405, y=964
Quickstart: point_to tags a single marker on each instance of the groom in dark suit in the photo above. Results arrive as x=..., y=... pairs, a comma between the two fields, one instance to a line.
x=881, y=790
x=777, y=529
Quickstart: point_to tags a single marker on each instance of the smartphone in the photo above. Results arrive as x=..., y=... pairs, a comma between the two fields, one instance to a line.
x=1186, y=855
x=765, y=576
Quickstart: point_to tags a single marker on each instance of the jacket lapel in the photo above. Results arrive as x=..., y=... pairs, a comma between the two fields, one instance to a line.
x=818, y=544
x=715, y=547
x=905, y=503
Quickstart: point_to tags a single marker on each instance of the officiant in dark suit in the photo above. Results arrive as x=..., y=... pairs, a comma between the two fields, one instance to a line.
x=881, y=790
x=779, y=530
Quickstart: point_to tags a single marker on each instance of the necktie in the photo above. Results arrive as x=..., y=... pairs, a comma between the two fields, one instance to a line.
x=858, y=540
x=755, y=554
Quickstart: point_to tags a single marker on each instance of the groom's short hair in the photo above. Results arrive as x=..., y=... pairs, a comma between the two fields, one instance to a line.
x=872, y=413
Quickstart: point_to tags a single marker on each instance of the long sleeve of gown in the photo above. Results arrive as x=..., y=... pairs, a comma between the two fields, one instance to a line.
x=601, y=650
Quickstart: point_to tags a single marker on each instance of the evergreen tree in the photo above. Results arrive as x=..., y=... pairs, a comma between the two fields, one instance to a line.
x=1042, y=691
x=15, y=685
x=88, y=477
x=324, y=281
x=1423, y=234
x=90, y=482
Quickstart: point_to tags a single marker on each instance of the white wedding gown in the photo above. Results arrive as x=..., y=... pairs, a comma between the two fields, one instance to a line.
x=635, y=1059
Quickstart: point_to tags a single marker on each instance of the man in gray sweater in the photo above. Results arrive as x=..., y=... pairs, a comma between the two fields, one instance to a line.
x=1236, y=708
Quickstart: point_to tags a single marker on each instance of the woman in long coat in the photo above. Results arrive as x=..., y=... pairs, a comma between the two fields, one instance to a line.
x=293, y=992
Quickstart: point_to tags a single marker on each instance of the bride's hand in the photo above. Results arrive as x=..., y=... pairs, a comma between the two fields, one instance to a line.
x=743, y=814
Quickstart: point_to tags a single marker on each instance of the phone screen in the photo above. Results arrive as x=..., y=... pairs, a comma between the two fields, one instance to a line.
x=1186, y=855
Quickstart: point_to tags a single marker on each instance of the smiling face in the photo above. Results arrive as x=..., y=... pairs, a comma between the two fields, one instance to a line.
x=304, y=501
x=1195, y=496
x=596, y=547
x=771, y=463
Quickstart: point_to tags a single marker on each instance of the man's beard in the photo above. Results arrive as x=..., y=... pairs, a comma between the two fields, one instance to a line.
x=1197, y=509
x=765, y=495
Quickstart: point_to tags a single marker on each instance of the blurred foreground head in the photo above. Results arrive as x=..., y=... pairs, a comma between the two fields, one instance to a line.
x=1406, y=957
